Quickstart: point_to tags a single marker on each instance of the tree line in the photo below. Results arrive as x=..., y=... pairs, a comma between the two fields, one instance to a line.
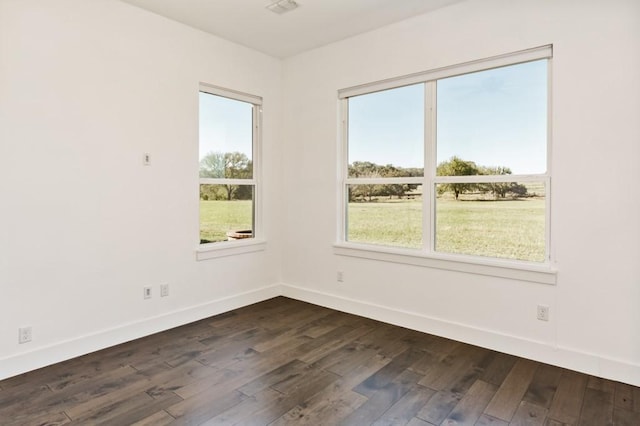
x=229, y=165
x=455, y=166
x=367, y=169
x=236, y=165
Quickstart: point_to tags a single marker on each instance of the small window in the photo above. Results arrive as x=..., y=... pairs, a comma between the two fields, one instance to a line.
x=455, y=164
x=228, y=135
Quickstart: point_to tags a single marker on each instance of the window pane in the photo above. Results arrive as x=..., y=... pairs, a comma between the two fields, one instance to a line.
x=495, y=120
x=226, y=212
x=505, y=220
x=385, y=220
x=226, y=137
x=386, y=133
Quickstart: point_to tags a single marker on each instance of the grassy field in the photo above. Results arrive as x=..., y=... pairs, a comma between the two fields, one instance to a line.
x=512, y=229
x=218, y=217
x=389, y=222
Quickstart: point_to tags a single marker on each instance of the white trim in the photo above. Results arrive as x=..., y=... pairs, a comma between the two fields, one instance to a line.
x=231, y=94
x=543, y=52
x=224, y=181
x=549, y=247
x=547, y=352
x=342, y=170
x=71, y=348
x=229, y=248
x=384, y=181
x=490, y=178
x=541, y=351
x=542, y=273
x=257, y=171
x=430, y=155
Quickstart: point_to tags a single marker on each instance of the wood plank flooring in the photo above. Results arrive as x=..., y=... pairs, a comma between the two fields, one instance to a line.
x=285, y=362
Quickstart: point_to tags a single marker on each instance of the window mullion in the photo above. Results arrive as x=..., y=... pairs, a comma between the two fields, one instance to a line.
x=383, y=181
x=257, y=170
x=428, y=186
x=227, y=181
x=343, y=170
x=489, y=178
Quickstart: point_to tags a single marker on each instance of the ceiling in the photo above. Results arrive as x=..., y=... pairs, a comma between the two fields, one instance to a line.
x=314, y=23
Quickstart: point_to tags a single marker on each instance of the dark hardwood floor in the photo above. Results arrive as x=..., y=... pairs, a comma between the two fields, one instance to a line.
x=285, y=362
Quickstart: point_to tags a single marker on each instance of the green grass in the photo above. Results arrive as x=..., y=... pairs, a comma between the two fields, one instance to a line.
x=389, y=222
x=217, y=217
x=512, y=229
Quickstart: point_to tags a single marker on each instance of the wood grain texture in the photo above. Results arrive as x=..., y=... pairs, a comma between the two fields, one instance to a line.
x=472, y=404
x=286, y=362
x=568, y=399
x=512, y=390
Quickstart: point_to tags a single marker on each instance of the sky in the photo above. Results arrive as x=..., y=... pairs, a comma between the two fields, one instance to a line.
x=495, y=118
x=225, y=125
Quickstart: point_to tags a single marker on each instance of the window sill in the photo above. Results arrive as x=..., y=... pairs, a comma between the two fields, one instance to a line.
x=229, y=248
x=543, y=273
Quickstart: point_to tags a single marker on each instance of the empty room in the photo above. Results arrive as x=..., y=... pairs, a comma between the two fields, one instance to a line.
x=322, y=212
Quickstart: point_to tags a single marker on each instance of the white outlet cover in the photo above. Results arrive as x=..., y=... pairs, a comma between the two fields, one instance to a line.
x=24, y=335
x=543, y=313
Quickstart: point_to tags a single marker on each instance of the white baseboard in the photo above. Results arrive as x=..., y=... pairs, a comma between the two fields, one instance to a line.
x=61, y=351
x=569, y=358
x=565, y=357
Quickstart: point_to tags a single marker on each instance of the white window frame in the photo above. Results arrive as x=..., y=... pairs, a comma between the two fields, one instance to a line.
x=541, y=272
x=257, y=242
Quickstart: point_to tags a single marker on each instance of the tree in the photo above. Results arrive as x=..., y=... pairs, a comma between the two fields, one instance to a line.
x=367, y=169
x=501, y=189
x=364, y=169
x=397, y=189
x=237, y=165
x=366, y=191
x=212, y=165
x=457, y=167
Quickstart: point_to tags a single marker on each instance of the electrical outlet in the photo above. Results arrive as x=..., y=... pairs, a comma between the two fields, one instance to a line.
x=164, y=290
x=146, y=292
x=543, y=313
x=24, y=335
x=146, y=159
x=340, y=277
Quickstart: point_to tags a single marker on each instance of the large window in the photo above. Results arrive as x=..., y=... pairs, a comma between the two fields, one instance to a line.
x=453, y=161
x=228, y=135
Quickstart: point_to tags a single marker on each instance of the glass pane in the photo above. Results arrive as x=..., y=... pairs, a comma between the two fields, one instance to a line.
x=389, y=220
x=226, y=138
x=494, y=120
x=386, y=133
x=505, y=220
x=226, y=212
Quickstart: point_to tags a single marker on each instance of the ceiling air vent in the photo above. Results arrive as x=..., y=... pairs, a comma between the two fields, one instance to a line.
x=282, y=6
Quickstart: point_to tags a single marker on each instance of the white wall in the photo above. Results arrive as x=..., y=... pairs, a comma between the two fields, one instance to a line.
x=86, y=87
x=595, y=313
